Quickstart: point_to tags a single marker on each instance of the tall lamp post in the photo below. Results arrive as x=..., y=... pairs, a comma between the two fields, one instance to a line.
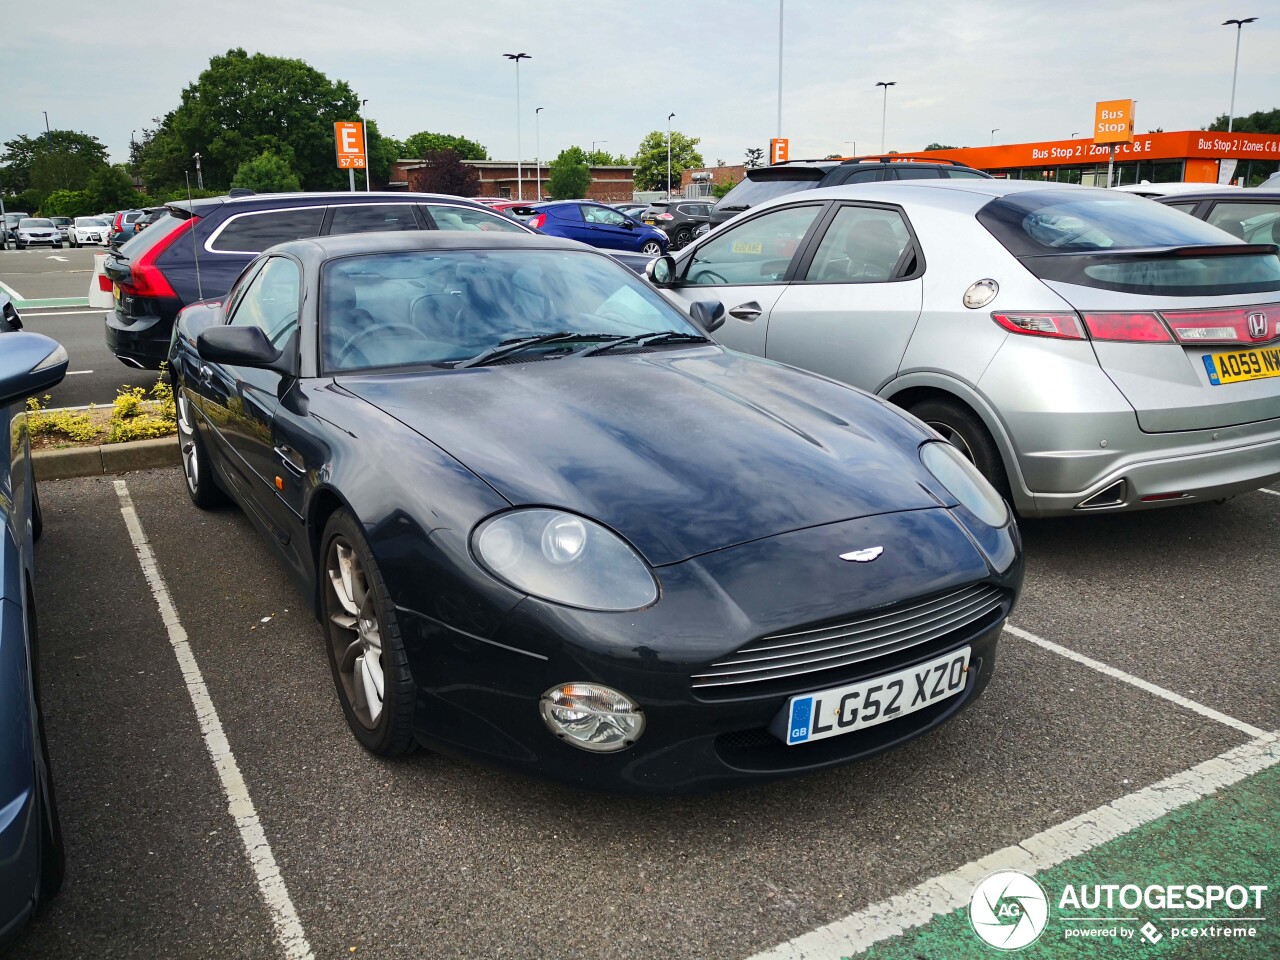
x=994, y=131
x=199, y=175
x=884, y=108
x=49, y=134
x=779, y=134
x=364, y=135
x=516, y=58
x=537, y=146
x=669, y=116
x=1234, y=70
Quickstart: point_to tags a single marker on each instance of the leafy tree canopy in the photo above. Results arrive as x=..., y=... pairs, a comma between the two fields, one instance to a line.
x=722, y=187
x=422, y=143
x=77, y=150
x=243, y=105
x=755, y=157
x=444, y=172
x=69, y=203
x=940, y=146
x=268, y=172
x=111, y=188
x=602, y=158
x=569, y=174
x=651, y=159
x=1261, y=121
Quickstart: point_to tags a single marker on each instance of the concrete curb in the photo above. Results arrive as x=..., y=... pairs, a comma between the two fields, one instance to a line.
x=109, y=458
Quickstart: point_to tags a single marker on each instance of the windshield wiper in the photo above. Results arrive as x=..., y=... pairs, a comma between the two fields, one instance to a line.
x=644, y=339
x=515, y=345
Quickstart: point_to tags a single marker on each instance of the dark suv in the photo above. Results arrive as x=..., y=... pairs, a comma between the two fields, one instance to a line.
x=196, y=249
x=765, y=183
x=678, y=219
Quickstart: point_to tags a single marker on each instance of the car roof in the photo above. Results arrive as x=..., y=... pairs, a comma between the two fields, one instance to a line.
x=202, y=206
x=351, y=244
x=1254, y=194
x=940, y=192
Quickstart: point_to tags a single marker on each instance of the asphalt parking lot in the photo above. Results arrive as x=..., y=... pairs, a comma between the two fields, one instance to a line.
x=434, y=857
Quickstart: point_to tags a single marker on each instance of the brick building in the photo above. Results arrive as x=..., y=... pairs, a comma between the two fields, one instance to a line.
x=498, y=179
x=718, y=175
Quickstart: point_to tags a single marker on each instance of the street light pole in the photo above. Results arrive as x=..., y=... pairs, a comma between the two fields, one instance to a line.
x=884, y=109
x=199, y=175
x=1235, y=69
x=780, y=4
x=364, y=135
x=994, y=131
x=537, y=147
x=669, y=116
x=594, y=142
x=517, y=57
x=49, y=134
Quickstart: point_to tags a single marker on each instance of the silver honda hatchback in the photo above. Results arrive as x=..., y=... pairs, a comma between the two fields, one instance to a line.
x=1087, y=349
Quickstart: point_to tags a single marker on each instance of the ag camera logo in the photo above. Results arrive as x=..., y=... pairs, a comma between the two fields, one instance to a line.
x=1008, y=910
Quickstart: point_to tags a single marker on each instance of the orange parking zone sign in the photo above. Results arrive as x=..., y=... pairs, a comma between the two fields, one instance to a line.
x=1113, y=121
x=778, y=149
x=348, y=136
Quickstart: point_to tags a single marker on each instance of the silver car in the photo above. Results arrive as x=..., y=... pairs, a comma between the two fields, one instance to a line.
x=37, y=231
x=1088, y=350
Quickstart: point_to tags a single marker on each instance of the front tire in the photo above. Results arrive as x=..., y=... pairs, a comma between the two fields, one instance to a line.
x=683, y=237
x=961, y=428
x=652, y=248
x=366, y=654
x=196, y=469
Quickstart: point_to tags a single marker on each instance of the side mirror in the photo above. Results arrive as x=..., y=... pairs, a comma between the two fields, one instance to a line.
x=628, y=224
x=30, y=363
x=237, y=346
x=661, y=271
x=708, y=313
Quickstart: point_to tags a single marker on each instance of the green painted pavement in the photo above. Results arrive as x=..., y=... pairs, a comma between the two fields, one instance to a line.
x=51, y=302
x=1231, y=837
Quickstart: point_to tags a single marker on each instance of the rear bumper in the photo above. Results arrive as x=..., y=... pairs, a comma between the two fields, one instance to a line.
x=144, y=343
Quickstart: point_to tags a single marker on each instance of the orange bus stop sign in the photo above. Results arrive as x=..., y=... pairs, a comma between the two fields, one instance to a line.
x=348, y=136
x=1113, y=121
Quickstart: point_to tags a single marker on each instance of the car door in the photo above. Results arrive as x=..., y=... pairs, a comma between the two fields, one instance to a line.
x=746, y=267
x=853, y=304
x=608, y=228
x=240, y=402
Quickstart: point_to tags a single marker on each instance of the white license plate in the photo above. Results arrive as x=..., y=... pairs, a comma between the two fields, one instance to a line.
x=856, y=706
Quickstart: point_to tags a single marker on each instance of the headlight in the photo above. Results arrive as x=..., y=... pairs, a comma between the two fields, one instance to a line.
x=592, y=716
x=965, y=482
x=564, y=558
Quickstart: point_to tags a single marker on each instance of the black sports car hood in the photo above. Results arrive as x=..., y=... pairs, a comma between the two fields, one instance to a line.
x=680, y=451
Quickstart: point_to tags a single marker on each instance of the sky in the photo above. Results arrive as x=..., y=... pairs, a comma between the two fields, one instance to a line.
x=610, y=71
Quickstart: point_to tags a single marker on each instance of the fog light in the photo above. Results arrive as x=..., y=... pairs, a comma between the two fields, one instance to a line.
x=592, y=716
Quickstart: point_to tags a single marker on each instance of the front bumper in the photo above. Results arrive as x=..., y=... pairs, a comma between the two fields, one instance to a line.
x=40, y=241
x=478, y=698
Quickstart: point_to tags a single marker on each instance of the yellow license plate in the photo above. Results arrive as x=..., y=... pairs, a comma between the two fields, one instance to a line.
x=1241, y=365
x=115, y=287
x=750, y=249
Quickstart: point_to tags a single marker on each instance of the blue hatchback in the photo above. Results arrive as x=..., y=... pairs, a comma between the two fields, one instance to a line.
x=594, y=223
x=31, y=857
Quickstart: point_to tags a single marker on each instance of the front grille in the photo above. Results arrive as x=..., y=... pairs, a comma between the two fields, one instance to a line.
x=822, y=649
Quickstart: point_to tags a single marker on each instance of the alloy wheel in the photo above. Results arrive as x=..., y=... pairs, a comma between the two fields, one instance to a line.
x=187, y=443
x=652, y=248
x=354, y=632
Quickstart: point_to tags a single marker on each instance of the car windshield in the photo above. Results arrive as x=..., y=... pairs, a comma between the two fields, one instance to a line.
x=439, y=308
x=90, y=222
x=750, y=192
x=34, y=223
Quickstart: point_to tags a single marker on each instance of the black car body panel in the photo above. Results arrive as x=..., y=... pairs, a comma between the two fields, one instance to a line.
x=741, y=481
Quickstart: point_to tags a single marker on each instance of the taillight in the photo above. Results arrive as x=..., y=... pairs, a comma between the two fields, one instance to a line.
x=145, y=278
x=1236, y=325
x=1127, y=327
x=665, y=216
x=1058, y=326
x=538, y=221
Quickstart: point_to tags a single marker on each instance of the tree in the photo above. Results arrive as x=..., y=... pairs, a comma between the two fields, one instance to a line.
x=444, y=172
x=569, y=174
x=940, y=146
x=755, y=157
x=602, y=158
x=20, y=154
x=420, y=144
x=111, y=188
x=651, y=159
x=69, y=203
x=383, y=152
x=1261, y=121
x=242, y=105
x=266, y=173
x=718, y=190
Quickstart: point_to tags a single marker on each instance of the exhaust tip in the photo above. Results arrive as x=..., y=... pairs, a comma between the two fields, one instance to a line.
x=130, y=362
x=1112, y=496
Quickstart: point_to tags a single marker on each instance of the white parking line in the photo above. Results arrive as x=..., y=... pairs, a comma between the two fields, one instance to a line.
x=10, y=291
x=1246, y=728
x=289, y=933
x=1046, y=849
x=32, y=313
x=1274, y=493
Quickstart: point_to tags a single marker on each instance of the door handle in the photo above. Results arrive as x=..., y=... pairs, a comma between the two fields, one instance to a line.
x=287, y=456
x=746, y=311
x=205, y=374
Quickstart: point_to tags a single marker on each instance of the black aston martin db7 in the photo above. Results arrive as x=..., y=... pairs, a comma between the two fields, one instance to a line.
x=547, y=523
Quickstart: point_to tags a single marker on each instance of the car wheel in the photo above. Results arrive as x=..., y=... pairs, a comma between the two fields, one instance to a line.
x=652, y=248
x=366, y=654
x=683, y=237
x=961, y=428
x=196, y=469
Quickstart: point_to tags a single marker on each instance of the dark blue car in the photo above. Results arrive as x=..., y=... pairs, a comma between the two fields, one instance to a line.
x=31, y=857
x=596, y=224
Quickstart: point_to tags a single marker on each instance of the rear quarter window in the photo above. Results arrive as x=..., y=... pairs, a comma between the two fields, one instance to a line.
x=253, y=232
